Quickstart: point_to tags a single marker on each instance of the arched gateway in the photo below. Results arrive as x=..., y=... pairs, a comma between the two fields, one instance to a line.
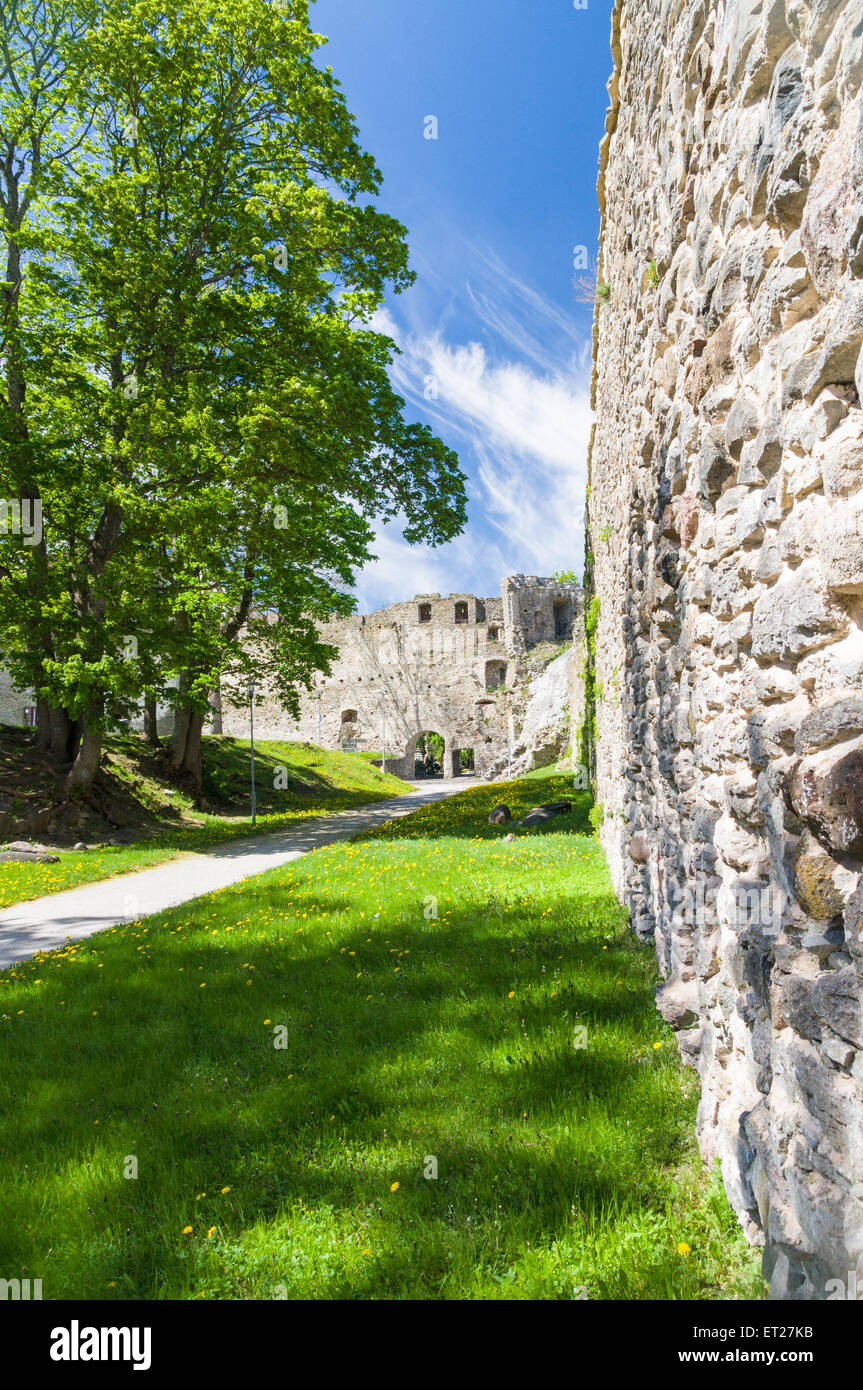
x=405, y=763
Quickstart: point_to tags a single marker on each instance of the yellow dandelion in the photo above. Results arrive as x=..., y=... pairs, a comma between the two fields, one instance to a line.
x=225, y=1190
x=187, y=1230
x=683, y=1248
x=656, y=1045
x=394, y=1187
x=511, y=994
x=211, y=1232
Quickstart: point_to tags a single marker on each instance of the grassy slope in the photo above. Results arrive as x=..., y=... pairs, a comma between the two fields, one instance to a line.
x=299, y=1170
x=319, y=781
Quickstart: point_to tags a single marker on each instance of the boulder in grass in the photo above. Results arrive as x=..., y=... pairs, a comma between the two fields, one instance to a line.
x=500, y=814
x=557, y=808
x=537, y=815
x=27, y=855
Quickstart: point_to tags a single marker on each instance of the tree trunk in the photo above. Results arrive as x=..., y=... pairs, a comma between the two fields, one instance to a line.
x=186, y=742
x=186, y=745
x=57, y=734
x=88, y=756
x=151, y=725
x=43, y=726
x=182, y=718
x=216, y=707
x=192, y=762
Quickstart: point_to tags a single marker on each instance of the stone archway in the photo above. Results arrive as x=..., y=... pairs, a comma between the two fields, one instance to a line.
x=404, y=766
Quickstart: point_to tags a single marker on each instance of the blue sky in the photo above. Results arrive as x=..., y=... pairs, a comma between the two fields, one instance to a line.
x=495, y=345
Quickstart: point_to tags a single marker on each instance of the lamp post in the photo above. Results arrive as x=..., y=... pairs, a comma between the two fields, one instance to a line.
x=252, y=745
x=383, y=734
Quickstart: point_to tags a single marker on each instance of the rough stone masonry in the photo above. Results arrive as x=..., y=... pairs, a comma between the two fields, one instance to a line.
x=726, y=529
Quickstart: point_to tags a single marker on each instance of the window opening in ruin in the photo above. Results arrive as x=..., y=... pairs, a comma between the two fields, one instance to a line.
x=461, y=614
x=464, y=761
x=425, y=612
x=429, y=755
x=562, y=619
x=495, y=675
x=493, y=634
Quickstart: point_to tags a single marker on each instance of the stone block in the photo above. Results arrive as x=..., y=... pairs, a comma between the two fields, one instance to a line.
x=826, y=791
x=792, y=618
x=836, y=1000
x=838, y=719
x=841, y=550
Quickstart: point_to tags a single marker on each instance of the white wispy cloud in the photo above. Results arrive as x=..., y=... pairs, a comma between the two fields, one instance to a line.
x=520, y=419
x=402, y=570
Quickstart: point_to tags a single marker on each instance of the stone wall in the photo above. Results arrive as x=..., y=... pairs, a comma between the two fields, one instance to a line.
x=726, y=525
x=13, y=702
x=458, y=666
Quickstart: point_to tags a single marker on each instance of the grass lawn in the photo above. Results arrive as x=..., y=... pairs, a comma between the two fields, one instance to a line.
x=319, y=782
x=364, y=1076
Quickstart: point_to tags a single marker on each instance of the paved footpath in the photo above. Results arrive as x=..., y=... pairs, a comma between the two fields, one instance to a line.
x=46, y=923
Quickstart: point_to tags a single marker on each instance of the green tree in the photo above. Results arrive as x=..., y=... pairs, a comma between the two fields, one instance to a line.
x=216, y=426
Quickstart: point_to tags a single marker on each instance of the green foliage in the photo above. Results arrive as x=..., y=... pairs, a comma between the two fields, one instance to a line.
x=652, y=275
x=586, y=740
x=566, y=577
x=430, y=743
x=195, y=394
x=603, y=292
x=564, y=1170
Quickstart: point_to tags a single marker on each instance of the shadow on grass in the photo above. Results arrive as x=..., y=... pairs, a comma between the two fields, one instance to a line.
x=384, y=1063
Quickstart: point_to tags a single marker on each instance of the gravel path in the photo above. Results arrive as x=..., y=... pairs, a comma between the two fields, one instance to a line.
x=46, y=923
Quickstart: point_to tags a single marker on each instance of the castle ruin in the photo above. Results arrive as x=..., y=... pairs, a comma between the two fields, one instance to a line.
x=458, y=666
